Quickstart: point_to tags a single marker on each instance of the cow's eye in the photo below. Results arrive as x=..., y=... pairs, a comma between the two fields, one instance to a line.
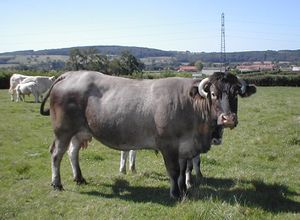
x=213, y=95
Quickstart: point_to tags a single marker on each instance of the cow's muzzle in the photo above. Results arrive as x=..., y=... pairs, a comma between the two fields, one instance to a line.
x=228, y=120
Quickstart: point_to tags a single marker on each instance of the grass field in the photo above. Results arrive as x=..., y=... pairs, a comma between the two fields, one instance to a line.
x=255, y=174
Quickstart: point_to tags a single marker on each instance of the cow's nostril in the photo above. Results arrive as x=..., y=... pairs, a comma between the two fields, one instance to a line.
x=224, y=118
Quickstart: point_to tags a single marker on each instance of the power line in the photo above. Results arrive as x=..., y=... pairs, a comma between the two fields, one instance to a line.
x=223, y=51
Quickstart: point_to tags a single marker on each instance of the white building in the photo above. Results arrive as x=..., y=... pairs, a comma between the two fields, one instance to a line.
x=296, y=68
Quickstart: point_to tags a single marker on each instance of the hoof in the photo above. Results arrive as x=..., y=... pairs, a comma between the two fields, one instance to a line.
x=123, y=171
x=189, y=185
x=133, y=171
x=175, y=196
x=57, y=187
x=80, y=181
x=184, y=197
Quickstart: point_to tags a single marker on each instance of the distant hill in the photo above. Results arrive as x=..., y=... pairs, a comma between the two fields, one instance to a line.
x=178, y=56
x=140, y=52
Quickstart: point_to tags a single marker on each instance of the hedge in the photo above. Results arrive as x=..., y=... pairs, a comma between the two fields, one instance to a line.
x=274, y=80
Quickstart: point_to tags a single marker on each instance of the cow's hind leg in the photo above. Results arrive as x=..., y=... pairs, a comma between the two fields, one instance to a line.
x=58, y=149
x=73, y=153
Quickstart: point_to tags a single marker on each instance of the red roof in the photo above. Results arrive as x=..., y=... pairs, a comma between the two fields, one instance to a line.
x=256, y=67
x=187, y=69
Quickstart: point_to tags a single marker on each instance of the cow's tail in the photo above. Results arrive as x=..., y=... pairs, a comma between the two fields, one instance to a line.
x=43, y=111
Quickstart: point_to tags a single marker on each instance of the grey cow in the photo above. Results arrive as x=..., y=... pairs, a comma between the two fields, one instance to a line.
x=174, y=115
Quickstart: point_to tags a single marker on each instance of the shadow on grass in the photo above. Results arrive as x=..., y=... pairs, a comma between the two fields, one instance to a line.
x=248, y=193
x=121, y=189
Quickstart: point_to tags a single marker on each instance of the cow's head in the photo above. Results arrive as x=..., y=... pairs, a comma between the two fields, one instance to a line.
x=222, y=89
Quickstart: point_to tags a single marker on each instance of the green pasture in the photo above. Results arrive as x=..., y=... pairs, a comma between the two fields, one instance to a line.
x=255, y=174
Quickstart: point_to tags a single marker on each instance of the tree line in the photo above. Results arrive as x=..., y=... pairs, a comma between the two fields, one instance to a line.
x=180, y=56
x=90, y=59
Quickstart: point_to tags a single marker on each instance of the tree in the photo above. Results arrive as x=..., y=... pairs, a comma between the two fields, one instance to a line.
x=115, y=67
x=74, y=62
x=199, y=65
x=88, y=59
x=100, y=63
x=130, y=63
x=95, y=61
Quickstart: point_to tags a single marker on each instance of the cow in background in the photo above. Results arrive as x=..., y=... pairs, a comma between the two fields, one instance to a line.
x=14, y=80
x=35, y=85
x=23, y=89
x=132, y=157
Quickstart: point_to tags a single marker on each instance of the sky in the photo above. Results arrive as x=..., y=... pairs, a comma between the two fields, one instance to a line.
x=181, y=25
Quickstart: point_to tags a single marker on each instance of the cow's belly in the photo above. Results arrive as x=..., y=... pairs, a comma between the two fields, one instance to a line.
x=123, y=140
x=118, y=128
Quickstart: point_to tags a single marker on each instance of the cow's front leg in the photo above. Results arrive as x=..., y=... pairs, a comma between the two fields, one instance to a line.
x=181, y=180
x=12, y=98
x=173, y=169
x=73, y=153
x=193, y=164
x=36, y=98
x=188, y=174
x=132, y=156
x=18, y=96
x=196, y=165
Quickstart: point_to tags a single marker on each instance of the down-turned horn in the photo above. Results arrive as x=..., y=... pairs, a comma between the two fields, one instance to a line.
x=243, y=85
x=201, y=87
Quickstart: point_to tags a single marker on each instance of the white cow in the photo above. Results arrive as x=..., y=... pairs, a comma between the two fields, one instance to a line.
x=36, y=85
x=23, y=89
x=124, y=155
x=15, y=79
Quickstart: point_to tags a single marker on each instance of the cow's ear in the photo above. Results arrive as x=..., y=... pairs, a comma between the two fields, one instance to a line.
x=250, y=90
x=194, y=91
